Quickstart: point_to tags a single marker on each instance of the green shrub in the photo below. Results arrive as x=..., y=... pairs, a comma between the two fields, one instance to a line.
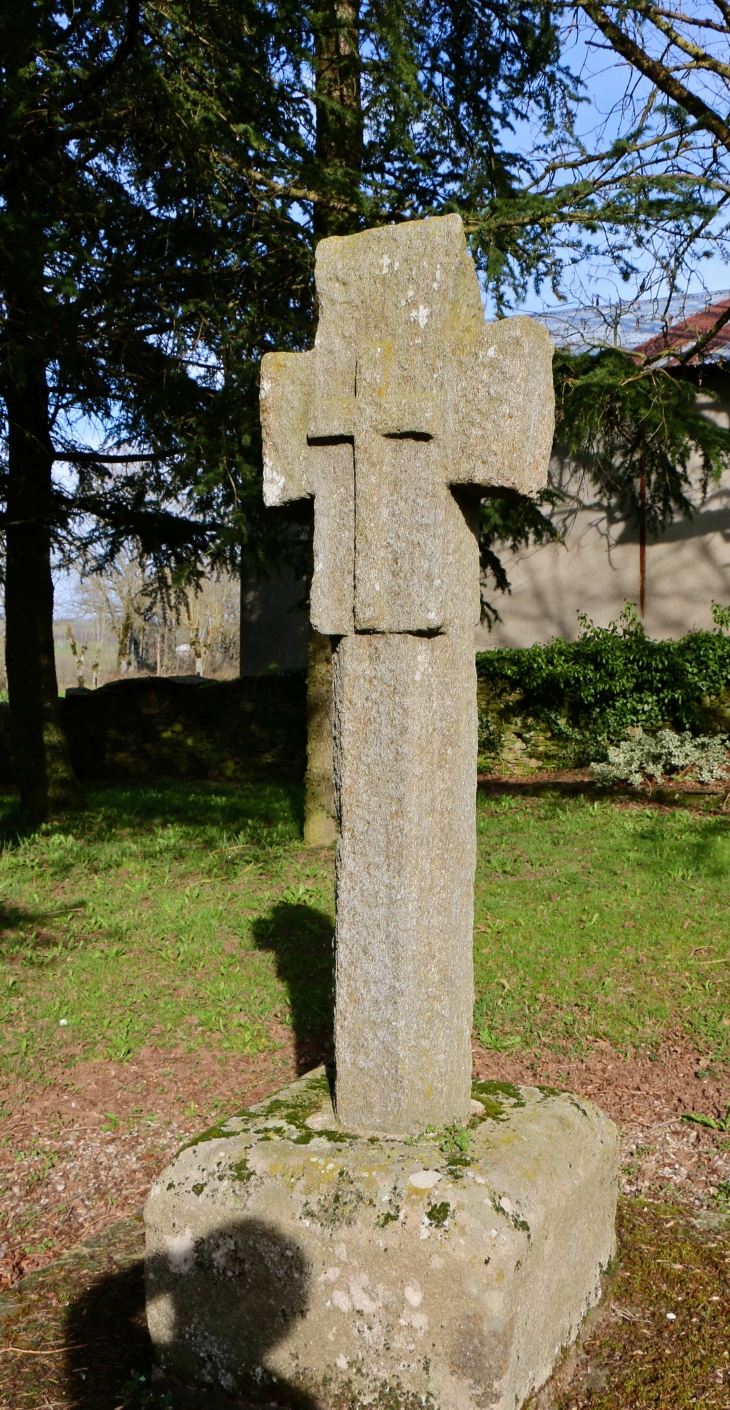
x=566, y=703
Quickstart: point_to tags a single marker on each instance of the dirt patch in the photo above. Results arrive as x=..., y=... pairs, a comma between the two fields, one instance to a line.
x=81, y=1150
x=573, y=782
x=662, y=1155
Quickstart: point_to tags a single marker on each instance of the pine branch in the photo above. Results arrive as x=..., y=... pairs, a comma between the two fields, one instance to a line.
x=124, y=51
x=91, y=457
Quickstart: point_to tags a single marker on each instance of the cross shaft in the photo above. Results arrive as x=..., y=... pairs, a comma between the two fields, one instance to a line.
x=408, y=409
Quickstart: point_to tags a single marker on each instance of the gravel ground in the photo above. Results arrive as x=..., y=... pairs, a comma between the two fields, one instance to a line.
x=81, y=1150
x=662, y=1155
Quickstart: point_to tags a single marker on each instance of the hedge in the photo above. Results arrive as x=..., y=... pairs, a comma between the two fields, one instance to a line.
x=565, y=703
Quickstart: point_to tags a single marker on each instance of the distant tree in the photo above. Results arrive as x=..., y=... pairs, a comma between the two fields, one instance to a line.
x=138, y=155
x=164, y=175
x=411, y=103
x=630, y=422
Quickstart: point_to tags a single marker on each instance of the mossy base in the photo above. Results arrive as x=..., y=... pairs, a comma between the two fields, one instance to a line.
x=291, y=1262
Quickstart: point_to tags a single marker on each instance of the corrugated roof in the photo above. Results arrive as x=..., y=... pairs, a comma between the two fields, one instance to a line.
x=646, y=326
x=680, y=337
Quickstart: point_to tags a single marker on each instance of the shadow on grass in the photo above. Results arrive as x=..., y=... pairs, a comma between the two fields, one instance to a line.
x=700, y=854
x=300, y=936
x=17, y=921
x=258, y=813
x=109, y=1354
x=672, y=795
x=199, y=804
x=710, y=847
x=16, y=823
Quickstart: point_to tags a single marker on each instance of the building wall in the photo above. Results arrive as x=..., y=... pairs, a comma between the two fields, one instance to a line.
x=596, y=570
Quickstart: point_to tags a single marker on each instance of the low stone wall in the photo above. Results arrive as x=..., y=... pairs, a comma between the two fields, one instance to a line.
x=151, y=727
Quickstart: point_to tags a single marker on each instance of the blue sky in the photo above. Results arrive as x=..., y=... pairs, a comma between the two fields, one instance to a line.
x=605, y=78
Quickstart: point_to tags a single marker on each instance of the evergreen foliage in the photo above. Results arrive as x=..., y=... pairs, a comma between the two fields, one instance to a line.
x=164, y=171
x=629, y=425
x=584, y=696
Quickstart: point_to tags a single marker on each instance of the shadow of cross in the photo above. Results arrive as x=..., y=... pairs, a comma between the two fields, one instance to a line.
x=409, y=408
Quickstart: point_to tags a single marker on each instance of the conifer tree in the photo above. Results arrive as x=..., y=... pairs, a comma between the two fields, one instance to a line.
x=122, y=253
x=159, y=166
x=165, y=172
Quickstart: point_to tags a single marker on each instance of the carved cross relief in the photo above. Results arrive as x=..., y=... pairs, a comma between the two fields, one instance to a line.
x=407, y=394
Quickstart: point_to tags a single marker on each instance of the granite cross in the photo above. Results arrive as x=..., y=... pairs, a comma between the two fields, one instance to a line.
x=409, y=409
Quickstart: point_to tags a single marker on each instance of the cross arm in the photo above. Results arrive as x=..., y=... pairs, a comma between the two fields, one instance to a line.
x=503, y=414
x=286, y=393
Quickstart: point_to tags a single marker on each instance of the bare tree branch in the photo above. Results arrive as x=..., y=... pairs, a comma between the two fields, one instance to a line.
x=658, y=72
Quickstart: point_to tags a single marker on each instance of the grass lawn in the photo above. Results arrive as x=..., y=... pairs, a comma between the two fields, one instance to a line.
x=190, y=915
x=175, y=915
x=598, y=920
x=187, y=919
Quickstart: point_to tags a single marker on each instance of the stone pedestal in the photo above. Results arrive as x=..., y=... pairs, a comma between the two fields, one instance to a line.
x=291, y=1262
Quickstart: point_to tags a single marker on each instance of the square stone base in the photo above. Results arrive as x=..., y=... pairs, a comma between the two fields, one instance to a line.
x=293, y=1263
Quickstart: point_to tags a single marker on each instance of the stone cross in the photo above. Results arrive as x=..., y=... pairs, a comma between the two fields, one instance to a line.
x=409, y=409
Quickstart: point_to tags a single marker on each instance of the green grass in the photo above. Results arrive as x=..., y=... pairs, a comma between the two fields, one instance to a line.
x=595, y=920
x=190, y=915
x=179, y=914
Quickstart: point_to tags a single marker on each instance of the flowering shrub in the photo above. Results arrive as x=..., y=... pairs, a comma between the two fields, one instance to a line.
x=647, y=759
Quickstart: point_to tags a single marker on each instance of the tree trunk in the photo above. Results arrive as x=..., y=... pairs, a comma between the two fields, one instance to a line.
x=320, y=820
x=42, y=758
x=338, y=109
x=243, y=586
x=339, y=150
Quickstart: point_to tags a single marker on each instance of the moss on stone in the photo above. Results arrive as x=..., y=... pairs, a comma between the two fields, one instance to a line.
x=493, y=1096
x=293, y=1111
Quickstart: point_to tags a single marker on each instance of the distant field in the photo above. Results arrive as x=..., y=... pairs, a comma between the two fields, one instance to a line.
x=190, y=914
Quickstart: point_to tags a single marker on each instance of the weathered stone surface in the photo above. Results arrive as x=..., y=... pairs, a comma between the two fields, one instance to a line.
x=320, y=818
x=407, y=393
x=408, y=408
x=405, y=763
x=291, y=1262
